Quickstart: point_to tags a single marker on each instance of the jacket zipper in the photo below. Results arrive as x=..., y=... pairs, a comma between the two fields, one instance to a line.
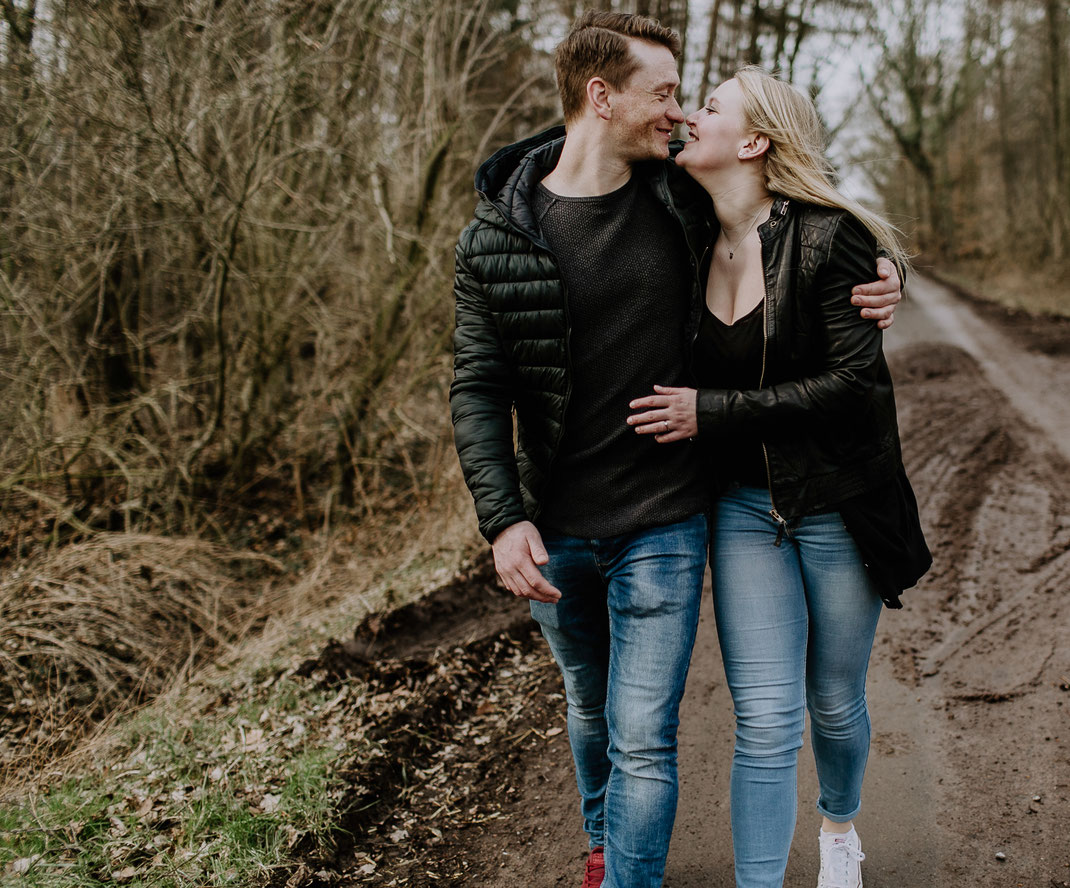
x=782, y=524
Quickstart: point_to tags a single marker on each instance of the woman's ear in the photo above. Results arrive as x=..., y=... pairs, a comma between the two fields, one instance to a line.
x=598, y=96
x=755, y=146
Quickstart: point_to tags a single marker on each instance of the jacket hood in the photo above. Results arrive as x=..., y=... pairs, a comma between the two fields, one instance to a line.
x=508, y=178
x=494, y=173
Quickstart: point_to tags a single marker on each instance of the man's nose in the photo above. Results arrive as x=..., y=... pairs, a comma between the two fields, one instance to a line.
x=675, y=113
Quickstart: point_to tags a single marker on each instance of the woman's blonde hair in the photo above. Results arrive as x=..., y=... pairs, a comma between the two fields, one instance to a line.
x=795, y=164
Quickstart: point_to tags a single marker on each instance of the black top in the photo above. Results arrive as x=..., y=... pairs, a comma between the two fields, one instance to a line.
x=729, y=356
x=626, y=270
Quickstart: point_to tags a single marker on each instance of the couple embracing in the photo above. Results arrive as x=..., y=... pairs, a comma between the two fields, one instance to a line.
x=693, y=357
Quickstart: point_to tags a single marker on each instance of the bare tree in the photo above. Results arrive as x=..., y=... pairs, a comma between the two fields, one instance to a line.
x=919, y=94
x=225, y=264
x=965, y=111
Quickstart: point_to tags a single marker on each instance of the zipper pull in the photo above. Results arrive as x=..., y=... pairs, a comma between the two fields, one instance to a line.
x=782, y=527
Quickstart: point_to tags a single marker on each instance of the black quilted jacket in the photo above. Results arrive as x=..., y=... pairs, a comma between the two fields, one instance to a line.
x=511, y=339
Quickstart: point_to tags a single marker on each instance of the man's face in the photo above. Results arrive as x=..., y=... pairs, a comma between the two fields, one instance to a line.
x=645, y=110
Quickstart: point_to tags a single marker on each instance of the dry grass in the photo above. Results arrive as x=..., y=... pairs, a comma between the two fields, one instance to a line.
x=225, y=776
x=97, y=627
x=225, y=278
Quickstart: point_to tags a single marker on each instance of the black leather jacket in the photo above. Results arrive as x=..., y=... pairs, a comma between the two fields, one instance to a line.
x=511, y=336
x=824, y=406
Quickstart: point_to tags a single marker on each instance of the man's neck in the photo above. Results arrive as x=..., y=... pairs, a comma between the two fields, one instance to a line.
x=588, y=167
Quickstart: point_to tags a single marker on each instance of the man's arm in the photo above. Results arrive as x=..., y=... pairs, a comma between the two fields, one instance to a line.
x=481, y=402
x=879, y=299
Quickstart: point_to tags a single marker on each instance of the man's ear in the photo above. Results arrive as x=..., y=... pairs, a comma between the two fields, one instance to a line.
x=755, y=146
x=598, y=96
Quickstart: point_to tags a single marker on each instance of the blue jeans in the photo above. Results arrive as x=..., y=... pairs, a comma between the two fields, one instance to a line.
x=796, y=626
x=622, y=636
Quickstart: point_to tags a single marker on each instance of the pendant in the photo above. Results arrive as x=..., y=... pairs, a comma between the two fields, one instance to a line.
x=730, y=254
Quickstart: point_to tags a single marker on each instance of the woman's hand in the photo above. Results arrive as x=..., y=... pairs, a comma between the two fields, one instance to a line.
x=669, y=415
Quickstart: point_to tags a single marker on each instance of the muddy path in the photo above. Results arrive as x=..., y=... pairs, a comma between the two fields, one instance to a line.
x=969, y=684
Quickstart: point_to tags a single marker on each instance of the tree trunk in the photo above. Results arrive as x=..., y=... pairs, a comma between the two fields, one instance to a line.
x=711, y=44
x=730, y=58
x=754, y=52
x=1060, y=229
x=1007, y=160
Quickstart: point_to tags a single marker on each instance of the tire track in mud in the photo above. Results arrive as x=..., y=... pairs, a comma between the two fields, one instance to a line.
x=995, y=498
x=970, y=688
x=985, y=639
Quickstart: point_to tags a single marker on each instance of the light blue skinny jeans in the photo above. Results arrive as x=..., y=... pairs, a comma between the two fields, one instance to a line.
x=622, y=635
x=795, y=624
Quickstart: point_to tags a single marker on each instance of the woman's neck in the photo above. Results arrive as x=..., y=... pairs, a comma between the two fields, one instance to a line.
x=737, y=199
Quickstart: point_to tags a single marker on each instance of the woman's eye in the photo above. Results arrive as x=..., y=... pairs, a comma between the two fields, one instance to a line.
x=709, y=110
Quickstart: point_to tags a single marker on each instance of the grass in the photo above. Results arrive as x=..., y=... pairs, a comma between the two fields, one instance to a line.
x=234, y=774
x=209, y=802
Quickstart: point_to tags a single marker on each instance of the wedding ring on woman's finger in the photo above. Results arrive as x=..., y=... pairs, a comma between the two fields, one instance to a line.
x=666, y=424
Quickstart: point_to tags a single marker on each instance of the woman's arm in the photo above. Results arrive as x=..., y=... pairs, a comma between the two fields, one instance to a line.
x=849, y=366
x=852, y=350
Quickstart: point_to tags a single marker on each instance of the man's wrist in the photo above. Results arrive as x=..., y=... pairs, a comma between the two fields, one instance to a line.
x=491, y=530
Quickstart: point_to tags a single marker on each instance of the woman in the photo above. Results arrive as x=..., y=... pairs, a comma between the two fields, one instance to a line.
x=815, y=522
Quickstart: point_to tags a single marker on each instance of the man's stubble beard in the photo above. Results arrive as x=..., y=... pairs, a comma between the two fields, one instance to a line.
x=641, y=143
x=638, y=148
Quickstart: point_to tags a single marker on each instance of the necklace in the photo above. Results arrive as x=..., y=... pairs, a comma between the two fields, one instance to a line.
x=731, y=249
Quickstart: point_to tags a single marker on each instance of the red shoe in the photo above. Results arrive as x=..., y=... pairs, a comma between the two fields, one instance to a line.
x=596, y=869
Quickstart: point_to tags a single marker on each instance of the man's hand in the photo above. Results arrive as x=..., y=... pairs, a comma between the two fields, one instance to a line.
x=880, y=298
x=670, y=415
x=518, y=551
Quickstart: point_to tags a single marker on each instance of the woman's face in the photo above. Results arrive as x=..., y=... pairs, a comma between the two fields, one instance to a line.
x=718, y=131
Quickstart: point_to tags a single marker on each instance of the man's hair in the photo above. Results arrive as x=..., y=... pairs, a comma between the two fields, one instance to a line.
x=597, y=46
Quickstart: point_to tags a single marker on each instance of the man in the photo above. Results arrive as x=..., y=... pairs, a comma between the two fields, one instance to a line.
x=577, y=290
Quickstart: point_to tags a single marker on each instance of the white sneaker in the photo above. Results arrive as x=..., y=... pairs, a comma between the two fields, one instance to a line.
x=841, y=854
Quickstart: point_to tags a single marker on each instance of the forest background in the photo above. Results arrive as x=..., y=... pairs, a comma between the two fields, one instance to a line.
x=226, y=234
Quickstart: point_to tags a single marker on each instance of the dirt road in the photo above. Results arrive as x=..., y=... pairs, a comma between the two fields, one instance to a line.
x=969, y=684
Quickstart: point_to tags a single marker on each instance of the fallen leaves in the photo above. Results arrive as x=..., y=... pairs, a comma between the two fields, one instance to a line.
x=259, y=765
x=23, y=865
x=269, y=804
x=456, y=738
